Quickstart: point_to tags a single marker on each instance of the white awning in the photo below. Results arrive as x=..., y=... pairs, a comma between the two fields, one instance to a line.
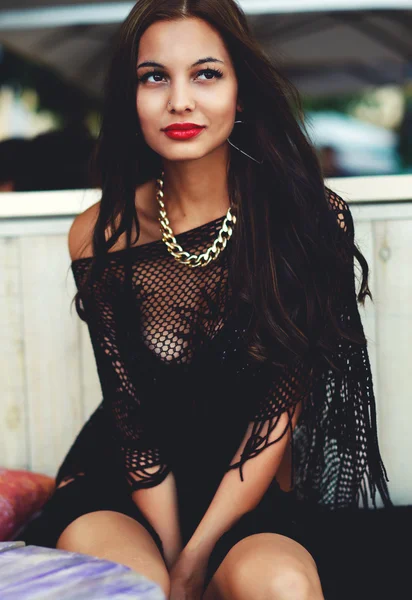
x=323, y=46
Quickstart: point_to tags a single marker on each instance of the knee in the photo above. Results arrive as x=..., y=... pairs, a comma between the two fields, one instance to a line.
x=293, y=580
x=278, y=577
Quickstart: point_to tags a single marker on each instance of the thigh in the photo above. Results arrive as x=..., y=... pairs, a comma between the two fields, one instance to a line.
x=116, y=537
x=81, y=496
x=266, y=565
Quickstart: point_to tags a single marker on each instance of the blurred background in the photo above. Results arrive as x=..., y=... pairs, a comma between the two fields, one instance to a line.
x=352, y=67
x=352, y=63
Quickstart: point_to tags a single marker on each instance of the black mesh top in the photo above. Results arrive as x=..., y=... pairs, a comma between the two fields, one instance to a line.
x=180, y=389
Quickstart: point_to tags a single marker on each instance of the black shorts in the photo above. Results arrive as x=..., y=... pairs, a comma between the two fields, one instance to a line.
x=277, y=513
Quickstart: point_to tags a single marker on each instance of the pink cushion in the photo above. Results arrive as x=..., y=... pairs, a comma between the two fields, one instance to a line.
x=22, y=493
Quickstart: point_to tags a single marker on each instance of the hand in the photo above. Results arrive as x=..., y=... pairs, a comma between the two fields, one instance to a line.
x=187, y=576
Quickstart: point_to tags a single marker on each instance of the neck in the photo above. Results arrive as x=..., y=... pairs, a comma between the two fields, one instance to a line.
x=196, y=192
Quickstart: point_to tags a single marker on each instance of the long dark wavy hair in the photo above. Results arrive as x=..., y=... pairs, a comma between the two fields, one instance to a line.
x=286, y=237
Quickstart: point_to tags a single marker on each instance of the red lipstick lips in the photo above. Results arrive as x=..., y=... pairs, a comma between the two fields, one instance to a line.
x=183, y=131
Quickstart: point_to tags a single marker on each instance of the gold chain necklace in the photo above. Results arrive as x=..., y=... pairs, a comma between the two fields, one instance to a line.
x=192, y=260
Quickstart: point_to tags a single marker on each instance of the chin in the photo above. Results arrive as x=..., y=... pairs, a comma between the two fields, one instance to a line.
x=182, y=156
x=186, y=154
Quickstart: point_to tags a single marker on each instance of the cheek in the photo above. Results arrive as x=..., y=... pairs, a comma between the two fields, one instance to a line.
x=224, y=114
x=147, y=110
x=223, y=104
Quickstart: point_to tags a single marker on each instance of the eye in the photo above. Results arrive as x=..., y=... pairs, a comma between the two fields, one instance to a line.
x=149, y=74
x=211, y=74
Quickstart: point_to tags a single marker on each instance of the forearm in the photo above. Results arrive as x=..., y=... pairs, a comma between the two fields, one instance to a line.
x=234, y=497
x=159, y=505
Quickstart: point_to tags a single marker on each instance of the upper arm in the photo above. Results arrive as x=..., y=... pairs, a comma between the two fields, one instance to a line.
x=81, y=232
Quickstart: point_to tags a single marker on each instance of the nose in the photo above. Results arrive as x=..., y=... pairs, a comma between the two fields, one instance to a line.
x=181, y=98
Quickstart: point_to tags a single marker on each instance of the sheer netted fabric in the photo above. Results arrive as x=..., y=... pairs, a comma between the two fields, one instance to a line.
x=175, y=312
x=179, y=388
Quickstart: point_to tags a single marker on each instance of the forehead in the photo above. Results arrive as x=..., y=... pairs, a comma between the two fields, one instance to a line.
x=183, y=40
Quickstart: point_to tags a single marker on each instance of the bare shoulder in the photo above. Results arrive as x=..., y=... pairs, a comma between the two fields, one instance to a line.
x=80, y=239
x=81, y=233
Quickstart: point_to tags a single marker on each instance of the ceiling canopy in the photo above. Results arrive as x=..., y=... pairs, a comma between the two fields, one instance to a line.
x=333, y=46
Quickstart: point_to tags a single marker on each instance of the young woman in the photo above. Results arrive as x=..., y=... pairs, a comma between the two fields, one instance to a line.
x=216, y=276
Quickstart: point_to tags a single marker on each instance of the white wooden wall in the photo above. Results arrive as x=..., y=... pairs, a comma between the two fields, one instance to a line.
x=48, y=374
x=50, y=383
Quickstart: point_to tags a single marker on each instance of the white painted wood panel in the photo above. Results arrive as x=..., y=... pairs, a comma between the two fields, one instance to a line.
x=393, y=255
x=52, y=368
x=14, y=451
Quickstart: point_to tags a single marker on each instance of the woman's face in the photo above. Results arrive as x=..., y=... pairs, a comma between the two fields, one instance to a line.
x=193, y=81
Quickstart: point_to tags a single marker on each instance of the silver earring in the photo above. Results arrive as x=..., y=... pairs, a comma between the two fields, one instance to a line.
x=260, y=162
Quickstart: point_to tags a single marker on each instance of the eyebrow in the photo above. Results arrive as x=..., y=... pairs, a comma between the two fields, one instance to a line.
x=201, y=61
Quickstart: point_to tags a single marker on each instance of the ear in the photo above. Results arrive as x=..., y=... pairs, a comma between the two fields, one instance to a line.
x=239, y=106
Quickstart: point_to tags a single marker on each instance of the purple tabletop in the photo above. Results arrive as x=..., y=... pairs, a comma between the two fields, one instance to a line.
x=34, y=573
